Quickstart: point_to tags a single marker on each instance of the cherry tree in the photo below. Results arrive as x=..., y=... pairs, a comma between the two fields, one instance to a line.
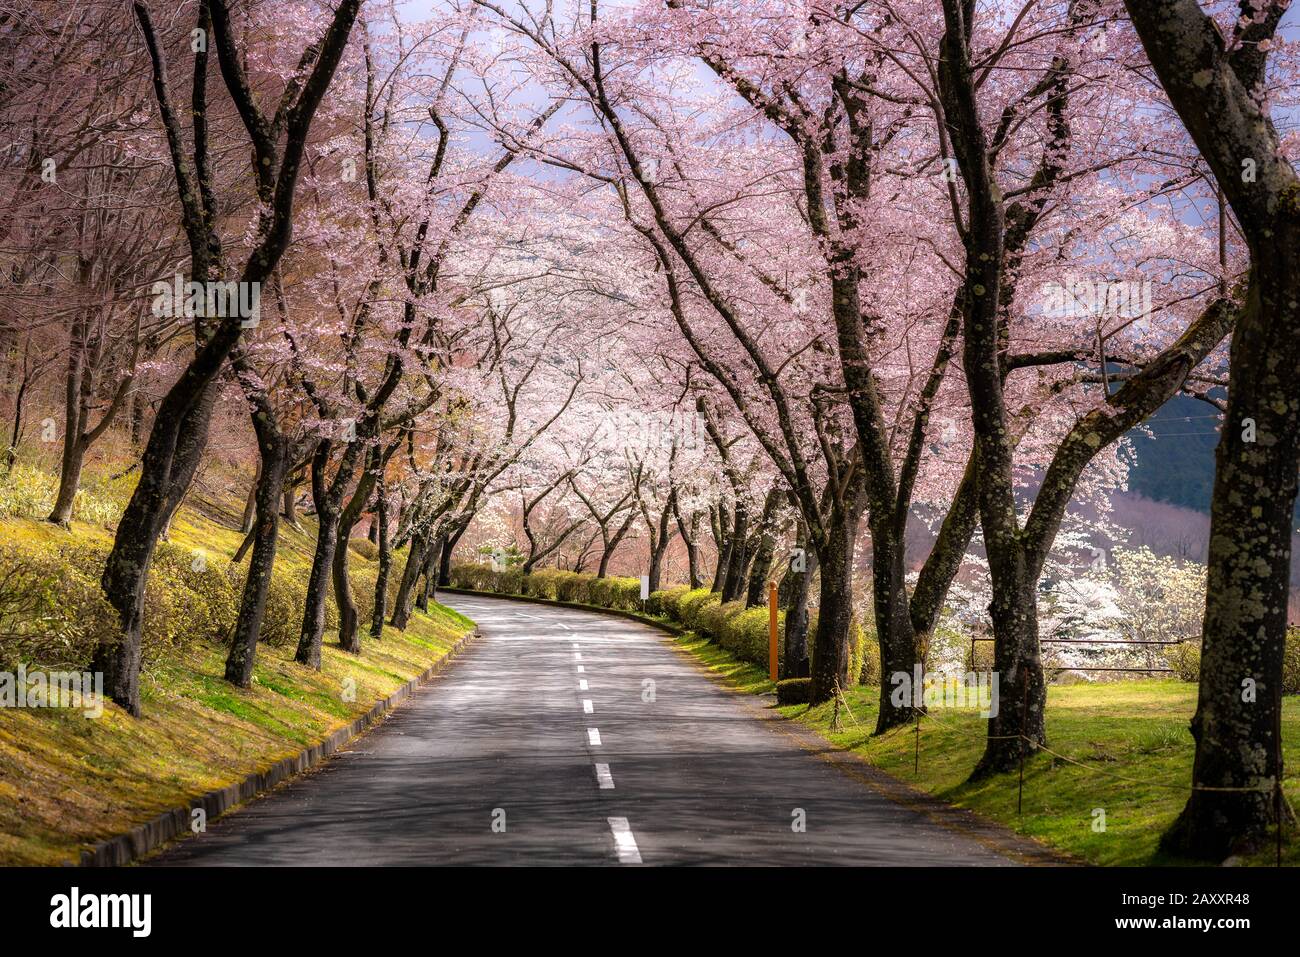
x=1214, y=70
x=180, y=426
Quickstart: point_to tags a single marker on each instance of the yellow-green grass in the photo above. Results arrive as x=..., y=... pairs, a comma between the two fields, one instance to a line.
x=1131, y=739
x=68, y=781
x=739, y=674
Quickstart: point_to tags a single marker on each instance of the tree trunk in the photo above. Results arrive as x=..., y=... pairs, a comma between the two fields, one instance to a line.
x=946, y=556
x=444, y=560
x=690, y=535
x=655, y=572
x=1237, y=725
x=250, y=503
x=898, y=649
x=170, y=459
x=764, y=553
x=180, y=428
x=830, y=656
x=725, y=543
x=410, y=574
x=74, y=457
x=11, y=454
x=291, y=506
x=349, y=625
x=1019, y=726
x=432, y=568
x=349, y=618
x=318, y=585
x=660, y=538
x=738, y=558
x=1218, y=90
x=795, y=583
x=74, y=445
x=385, y=563
x=136, y=418
x=252, y=609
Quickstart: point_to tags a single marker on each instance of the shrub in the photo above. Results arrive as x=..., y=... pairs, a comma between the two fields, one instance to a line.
x=600, y=591
x=713, y=615
x=693, y=602
x=29, y=492
x=667, y=603
x=285, y=600
x=208, y=588
x=869, y=670
x=509, y=581
x=744, y=634
x=575, y=587
x=469, y=575
x=364, y=582
x=1185, y=659
x=1291, y=662
x=982, y=658
x=545, y=582
x=52, y=614
x=620, y=593
x=857, y=652
x=793, y=691
x=364, y=547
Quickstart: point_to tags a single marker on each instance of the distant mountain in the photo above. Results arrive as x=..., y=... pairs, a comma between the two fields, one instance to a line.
x=1176, y=463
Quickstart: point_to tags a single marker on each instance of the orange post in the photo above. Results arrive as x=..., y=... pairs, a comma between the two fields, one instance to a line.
x=771, y=630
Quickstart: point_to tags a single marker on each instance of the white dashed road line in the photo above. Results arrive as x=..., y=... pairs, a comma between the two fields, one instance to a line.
x=624, y=842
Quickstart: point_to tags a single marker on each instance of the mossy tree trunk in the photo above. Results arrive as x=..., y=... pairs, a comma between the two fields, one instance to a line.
x=410, y=574
x=274, y=450
x=385, y=561
x=1218, y=90
x=795, y=584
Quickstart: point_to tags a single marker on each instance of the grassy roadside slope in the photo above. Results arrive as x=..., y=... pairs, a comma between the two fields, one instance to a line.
x=67, y=781
x=1130, y=739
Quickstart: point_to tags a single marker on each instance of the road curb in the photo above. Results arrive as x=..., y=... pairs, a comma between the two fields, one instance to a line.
x=153, y=834
x=986, y=831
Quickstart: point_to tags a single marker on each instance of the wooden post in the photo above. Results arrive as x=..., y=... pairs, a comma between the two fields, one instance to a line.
x=771, y=630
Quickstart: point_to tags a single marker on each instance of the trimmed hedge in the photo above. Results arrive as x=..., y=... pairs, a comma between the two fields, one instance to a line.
x=668, y=603
x=741, y=631
x=794, y=691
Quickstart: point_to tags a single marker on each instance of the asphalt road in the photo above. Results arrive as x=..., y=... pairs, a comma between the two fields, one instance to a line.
x=565, y=737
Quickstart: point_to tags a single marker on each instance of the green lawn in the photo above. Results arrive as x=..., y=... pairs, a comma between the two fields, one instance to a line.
x=1131, y=739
